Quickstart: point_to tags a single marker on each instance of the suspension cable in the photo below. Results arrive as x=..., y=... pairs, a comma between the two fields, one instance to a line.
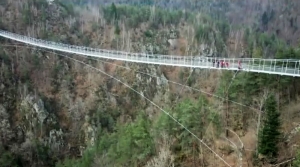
x=154, y=76
x=167, y=113
x=176, y=83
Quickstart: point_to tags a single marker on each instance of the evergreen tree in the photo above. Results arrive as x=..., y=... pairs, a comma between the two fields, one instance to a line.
x=6, y=158
x=296, y=162
x=265, y=18
x=269, y=135
x=114, y=13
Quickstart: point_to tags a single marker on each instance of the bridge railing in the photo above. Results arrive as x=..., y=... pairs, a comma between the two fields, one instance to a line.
x=278, y=66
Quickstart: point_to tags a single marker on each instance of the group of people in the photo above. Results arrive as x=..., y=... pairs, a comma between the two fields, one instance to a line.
x=223, y=64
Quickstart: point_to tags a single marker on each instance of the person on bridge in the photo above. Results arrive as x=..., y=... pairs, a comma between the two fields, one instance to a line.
x=227, y=64
x=213, y=62
x=218, y=64
x=240, y=65
x=222, y=63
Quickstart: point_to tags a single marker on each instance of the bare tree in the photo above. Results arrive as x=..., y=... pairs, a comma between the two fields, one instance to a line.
x=128, y=47
x=123, y=35
x=164, y=157
x=152, y=13
x=238, y=149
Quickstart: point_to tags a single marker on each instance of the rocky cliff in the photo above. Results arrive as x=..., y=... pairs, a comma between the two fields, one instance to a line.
x=53, y=108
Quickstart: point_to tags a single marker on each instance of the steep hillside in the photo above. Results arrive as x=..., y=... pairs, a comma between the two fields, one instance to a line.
x=58, y=112
x=274, y=17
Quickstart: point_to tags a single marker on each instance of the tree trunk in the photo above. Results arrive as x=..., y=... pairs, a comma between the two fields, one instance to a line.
x=257, y=130
x=289, y=94
x=194, y=155
x=202, y=155
x=226, y=114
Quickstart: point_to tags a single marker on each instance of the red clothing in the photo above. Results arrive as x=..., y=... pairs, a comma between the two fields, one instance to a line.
x=222, y=63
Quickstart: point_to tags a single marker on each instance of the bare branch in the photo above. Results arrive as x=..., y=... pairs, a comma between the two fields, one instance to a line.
x=284, y=162
x=242, y=144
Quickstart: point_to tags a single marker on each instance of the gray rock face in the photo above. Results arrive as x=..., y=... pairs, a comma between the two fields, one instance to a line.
x=293, y=133
x=173, y=43
x=55, y=139
x=89, y=133
x=36, y=120
x=3, y=114
x=207, y=50
x=162, y=81
x=35, y=107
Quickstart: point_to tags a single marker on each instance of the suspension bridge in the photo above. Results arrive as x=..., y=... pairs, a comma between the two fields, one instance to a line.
x=287, y=67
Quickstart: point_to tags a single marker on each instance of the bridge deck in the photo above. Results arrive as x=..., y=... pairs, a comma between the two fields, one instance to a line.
x=270, y=66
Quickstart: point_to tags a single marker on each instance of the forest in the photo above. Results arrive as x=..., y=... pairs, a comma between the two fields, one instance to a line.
x=57, y=112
